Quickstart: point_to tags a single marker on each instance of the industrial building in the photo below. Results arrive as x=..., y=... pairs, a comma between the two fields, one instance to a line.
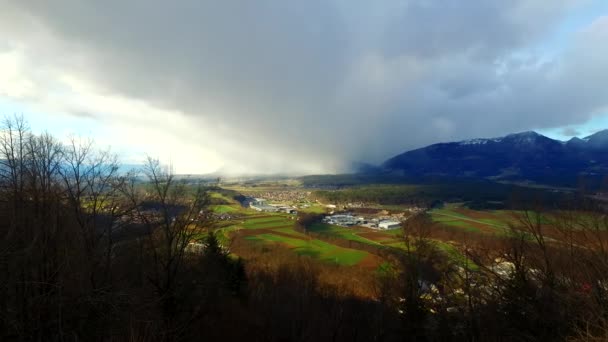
x=344, y=220
x=260, y=204
x=389, y=224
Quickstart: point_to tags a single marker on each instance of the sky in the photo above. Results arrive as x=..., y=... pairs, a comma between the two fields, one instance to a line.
x=301, y=87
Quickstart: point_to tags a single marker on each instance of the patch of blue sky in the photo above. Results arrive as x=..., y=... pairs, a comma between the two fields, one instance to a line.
x=580, y=17
x=596, y=123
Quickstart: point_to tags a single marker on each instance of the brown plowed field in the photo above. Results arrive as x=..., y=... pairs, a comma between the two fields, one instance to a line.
x=376, y=236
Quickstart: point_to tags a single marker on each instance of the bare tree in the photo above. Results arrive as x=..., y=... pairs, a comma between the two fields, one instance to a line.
x=92, y=187
x=35, y=242
x=414, y=266
x=173, y=214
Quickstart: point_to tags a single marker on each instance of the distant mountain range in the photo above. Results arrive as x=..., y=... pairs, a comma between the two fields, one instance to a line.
x=526, y=156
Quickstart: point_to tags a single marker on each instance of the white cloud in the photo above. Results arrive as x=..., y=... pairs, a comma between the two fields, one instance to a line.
x=133, y=127
x=276, y=86
x=12, y=83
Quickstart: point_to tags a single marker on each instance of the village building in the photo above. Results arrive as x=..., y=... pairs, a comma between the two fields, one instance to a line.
x=388, y=224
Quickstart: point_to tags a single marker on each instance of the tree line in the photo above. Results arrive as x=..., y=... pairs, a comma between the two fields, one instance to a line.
x=87, y=252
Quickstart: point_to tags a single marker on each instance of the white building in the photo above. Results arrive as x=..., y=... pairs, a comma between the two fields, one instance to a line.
x=257, y=202
x=388, y=224
x=260, y=204
x=287, y=209
x=266, y=208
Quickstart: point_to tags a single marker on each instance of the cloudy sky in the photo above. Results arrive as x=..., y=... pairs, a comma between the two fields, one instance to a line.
x=301, y=86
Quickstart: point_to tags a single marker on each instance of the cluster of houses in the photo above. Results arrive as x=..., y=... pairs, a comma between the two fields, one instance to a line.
x=261, y=204
x=285, y=196
x=356, y=205
x=348, y=220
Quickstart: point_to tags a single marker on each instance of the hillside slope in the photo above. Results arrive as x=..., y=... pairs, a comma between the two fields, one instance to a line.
x=521, y=156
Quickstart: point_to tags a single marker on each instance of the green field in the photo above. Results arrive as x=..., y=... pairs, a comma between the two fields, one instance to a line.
x=450, y=250
x=290, y=231
x=224, y=208
x=494, y=221
x=455, y=255
x=223, y=204
x=497, y=222
x=217, y=195
x=315, y=248
x=314, y=209
x=339, y=232
x=463, y=224
x=268, y=222
x=278, y=228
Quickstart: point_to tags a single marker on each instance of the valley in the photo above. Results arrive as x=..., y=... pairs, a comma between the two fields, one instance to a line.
x=246, y=231
x=375, y=255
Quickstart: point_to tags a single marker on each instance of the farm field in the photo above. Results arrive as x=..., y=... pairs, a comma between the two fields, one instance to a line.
x=222, y=204
x=278, y=228
x=333, y=243
x=314, y=248
x=387, y=238
x=487, y=221
x=352, y=234
x=314, y=209
x=269, y=222
x=357, y=246
x=490, y=222
x=275, y=228
x=224, y=208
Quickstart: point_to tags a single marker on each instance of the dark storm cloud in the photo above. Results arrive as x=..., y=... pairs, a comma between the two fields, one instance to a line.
x=328, y=82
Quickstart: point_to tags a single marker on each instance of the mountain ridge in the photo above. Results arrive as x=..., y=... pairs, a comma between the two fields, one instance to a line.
x=528, y=156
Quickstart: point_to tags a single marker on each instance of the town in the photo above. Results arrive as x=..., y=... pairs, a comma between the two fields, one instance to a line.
x=381, y=220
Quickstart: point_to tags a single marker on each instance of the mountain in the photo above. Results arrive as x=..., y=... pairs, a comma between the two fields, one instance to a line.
x=598, y=140
x=526, y=156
